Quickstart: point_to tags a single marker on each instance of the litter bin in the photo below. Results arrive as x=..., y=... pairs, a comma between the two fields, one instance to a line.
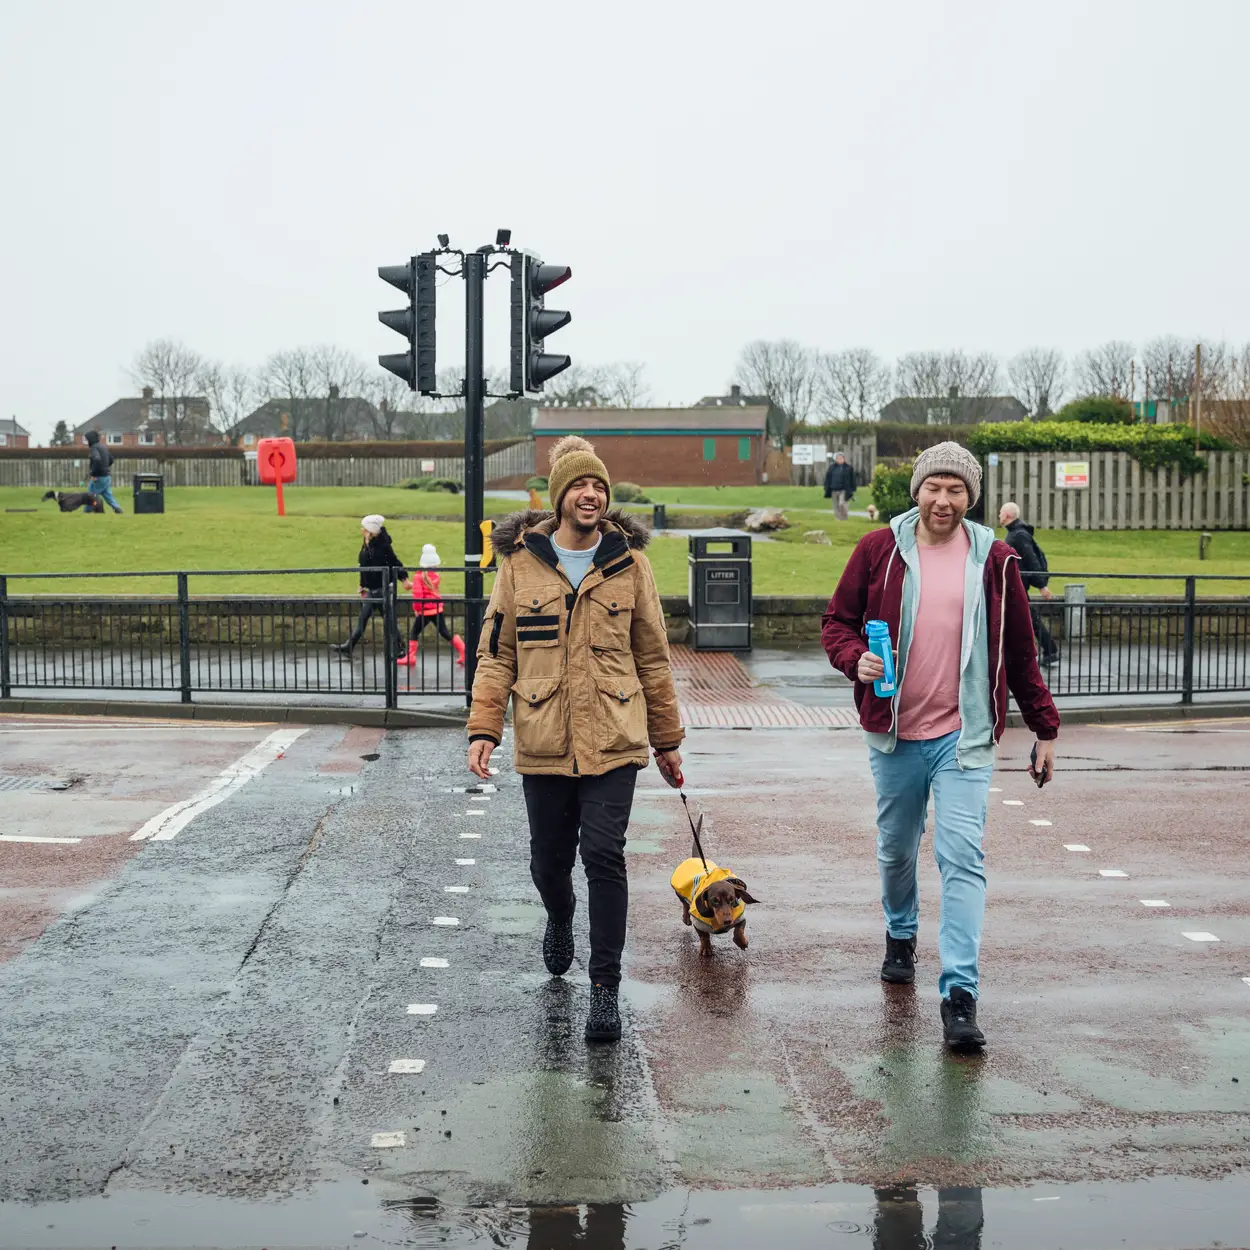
x=659, y=516
x=720, y=591
x=149, y=489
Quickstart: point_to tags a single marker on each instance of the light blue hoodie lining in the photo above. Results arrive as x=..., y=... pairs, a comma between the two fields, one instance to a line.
x=975, y=748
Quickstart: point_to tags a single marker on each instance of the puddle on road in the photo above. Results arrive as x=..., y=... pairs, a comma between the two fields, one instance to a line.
x=1160, y=1214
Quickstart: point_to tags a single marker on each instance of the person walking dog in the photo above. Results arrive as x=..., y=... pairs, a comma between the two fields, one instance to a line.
x=377, y=553
x=574, y=634
x=1033, y=568
x=427, y=607
x=100, y=470
x=840, y=485
x=958, y=616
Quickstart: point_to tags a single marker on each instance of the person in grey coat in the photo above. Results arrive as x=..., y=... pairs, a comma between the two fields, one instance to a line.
x=840, y=485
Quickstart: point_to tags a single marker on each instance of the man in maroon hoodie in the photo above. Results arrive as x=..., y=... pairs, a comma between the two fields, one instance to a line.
x=959, y=621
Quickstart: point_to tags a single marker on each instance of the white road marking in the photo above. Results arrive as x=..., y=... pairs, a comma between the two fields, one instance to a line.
x=1201, y=937
x=167, y=824
x=494, y=772
x=431, y=962
x=1246, y=980
x=422, y=1009
x=470, y=835
x=1013, y=802
x=446, y=921
x=1076, y=846
x=1111, y=872
x=387, y=1141
x=17, y=837
x=466, y=863
x=455, y=889
x=1155, y=902
x=479, y=798
x=476, y=811
x=996, y=789
x=406, y=1067
x=1050, y=1198
x=1042, y=824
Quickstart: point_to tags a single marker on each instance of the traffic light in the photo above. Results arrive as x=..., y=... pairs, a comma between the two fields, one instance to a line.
x=416, y=323
x=532, y=322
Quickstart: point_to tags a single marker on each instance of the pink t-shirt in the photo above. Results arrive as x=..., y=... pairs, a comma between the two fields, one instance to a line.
x=928, y=705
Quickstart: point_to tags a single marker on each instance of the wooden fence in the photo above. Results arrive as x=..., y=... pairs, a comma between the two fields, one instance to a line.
x=861, y=451
x=516, y=461
x=1121, y=495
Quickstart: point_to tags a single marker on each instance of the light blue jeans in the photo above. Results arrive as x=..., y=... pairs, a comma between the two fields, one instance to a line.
x=904, y=781
x=103, y=486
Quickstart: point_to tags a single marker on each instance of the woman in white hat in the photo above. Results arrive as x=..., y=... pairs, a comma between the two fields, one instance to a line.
x=376, y=554
x=426, y=607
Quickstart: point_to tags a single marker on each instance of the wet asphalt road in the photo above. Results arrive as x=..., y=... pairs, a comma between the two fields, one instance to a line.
x=191, y=1024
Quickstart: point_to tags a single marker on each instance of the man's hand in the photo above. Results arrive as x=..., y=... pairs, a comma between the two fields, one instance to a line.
x=871, y=667
x=479, y=758
x=1047, y=593
x=669, y=764
x=1045, y=767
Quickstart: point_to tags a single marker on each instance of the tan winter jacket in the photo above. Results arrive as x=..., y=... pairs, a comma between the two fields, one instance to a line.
x=588, y=671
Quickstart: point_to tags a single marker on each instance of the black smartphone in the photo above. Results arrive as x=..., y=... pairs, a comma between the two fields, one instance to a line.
x=1039, y=778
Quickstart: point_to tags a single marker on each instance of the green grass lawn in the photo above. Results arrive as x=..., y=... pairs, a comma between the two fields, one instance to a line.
x=237, y=528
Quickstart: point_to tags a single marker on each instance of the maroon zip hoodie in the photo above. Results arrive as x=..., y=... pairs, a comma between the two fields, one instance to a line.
x=871, y=589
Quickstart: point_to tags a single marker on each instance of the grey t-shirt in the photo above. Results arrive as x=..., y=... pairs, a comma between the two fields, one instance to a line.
x=576, y=563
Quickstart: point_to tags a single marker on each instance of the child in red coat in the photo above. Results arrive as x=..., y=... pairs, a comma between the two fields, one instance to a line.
x=427, y=607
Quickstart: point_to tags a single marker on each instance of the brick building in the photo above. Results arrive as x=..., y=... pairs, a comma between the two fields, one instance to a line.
x=151, y=421
x=665, y=446
x=12, y=434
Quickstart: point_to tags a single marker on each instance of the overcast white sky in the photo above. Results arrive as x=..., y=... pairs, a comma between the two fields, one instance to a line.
x=903, y=175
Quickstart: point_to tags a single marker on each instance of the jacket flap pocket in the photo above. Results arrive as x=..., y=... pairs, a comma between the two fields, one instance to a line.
x=538, y=601
x=534, y=690
x=612, y=598
x=622, y=689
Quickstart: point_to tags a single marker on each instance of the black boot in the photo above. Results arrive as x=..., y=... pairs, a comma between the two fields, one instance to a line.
x=343, y=648
x=959, y=1020
x=604, y=1022
x=899, y=967
x=558, y=946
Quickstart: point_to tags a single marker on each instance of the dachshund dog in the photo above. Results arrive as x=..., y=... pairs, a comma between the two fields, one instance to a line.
x=71, y=501
x=713, y=901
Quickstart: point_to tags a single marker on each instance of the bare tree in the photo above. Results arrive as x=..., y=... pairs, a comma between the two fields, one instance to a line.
x=340, y=377
x=391, y=402
x=233, y=393
x=1227, y=411
x=784, y=371
x=1169, y=370
x=1104, y=370
x=288, y=377
x=171, y=369
x=624, y=384
x=852, y=385
x=955, y=375
x=1037, y=379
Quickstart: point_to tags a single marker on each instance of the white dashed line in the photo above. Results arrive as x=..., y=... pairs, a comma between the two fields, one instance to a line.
x=387, y=1141
x=475, y=811
x=470, y=835
x=406, y=1067
x=429, y=962
x=466, y=863
x=1049, y=1198
x=1111, y=872
x=1201, y=937
x=455, y=889
x=18, y=837
x=1076, y=846
x=996, y=789
x=446, y=921
x=1013, y=802
x=1041, y=824
x=422, y=1009
x=479, y=798
x=1155, y=902
x=1246, y=980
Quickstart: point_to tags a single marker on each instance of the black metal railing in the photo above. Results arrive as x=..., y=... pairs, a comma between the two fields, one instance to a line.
x=1147, y=644
x=198, y=641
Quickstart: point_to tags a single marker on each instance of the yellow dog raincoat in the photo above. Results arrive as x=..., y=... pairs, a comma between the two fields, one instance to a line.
x=691, y=879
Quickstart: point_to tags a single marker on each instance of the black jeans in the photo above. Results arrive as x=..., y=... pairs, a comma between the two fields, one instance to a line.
x=417, y=628
x=595, y=811
x=374, y=603
x=1044, y=640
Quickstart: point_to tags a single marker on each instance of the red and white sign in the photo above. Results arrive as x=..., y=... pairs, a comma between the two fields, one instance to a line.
x=1071, y=474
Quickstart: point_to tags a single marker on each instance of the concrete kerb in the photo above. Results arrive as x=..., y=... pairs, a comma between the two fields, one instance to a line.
x=1114, y=714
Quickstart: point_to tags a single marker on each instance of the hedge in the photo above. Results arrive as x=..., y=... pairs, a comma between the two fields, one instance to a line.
x=1152, y=446
x=891, y=490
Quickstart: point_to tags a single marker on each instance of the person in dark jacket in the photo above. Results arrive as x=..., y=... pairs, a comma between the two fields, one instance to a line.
x=840, y=485
x=958, y=615
x=100, y=471
x=1032, y=572
x=376, y=554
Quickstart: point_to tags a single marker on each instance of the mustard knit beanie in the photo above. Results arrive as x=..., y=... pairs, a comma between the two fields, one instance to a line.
x=573, y=457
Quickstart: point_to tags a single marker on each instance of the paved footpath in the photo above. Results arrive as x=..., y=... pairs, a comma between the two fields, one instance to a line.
x=318, y=965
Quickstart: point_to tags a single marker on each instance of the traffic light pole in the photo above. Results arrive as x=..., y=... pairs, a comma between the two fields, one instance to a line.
x=474, y=466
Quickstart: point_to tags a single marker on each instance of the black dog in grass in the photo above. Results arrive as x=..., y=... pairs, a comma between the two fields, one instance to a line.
x=72, y=500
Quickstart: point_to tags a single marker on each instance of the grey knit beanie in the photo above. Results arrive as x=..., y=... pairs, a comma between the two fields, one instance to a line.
x=948, y=458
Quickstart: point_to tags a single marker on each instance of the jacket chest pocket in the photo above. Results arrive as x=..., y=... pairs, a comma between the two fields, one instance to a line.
x=538, y=617
x=611, y=616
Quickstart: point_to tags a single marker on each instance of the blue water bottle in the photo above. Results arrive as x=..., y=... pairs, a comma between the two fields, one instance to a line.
x=879, y=644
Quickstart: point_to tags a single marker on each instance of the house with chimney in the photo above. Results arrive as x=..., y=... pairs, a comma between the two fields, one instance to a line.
x=149, y=420
x=12, y=434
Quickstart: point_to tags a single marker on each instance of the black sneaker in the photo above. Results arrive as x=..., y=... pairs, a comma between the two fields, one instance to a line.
x=343, y=648
x=1051, y=659
x=558, y=946
x=604, y=1022
x=959, y=1020
x=900, y=960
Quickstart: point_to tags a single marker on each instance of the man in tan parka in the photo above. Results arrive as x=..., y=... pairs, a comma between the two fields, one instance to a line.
x=574, y=635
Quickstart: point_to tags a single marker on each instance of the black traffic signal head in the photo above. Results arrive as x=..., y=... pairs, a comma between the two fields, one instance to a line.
x=532, y=322
x=416, y=322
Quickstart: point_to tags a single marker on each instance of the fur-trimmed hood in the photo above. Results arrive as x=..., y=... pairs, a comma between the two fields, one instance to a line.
x=508, y=533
